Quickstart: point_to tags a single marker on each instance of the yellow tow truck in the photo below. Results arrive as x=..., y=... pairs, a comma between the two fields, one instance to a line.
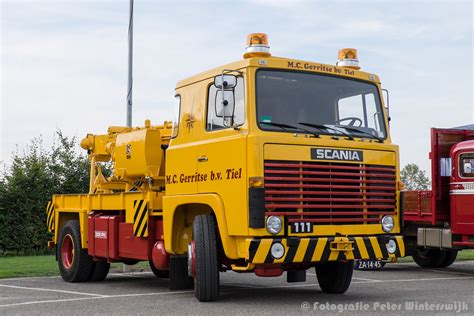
x=272, y=165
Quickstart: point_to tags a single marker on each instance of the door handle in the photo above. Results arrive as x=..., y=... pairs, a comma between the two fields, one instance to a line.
x=202, y=159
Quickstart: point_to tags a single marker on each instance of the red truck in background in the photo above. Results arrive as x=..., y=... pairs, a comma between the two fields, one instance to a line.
x=440, y=222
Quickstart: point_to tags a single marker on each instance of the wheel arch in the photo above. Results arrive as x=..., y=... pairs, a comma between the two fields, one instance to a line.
x=63, y=216
x=179, y=213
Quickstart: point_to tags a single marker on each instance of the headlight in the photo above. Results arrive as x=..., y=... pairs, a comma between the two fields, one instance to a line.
x=277, y=250
x=388, y=223
x=391, y=246
x=274, y=225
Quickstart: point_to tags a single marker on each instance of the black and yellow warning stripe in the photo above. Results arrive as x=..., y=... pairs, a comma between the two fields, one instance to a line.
x=322, y=249
x=50, y=216
x=140, y=218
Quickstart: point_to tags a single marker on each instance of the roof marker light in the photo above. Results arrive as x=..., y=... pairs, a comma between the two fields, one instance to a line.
x=347, y=57
x=257, y=46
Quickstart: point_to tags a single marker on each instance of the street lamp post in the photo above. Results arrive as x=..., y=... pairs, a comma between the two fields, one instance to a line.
x=125, y=268
x=130, y=66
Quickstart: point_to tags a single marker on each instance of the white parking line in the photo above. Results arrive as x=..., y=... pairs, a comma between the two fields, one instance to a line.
x=420, y=269
x=449, y=272
x=57, y=276
x=31, y=278
x=411, y=280
x=94, y=298
x=242, y=287
x=50, y=290
x=132, y=273
x=362, y=279
x=50, y=301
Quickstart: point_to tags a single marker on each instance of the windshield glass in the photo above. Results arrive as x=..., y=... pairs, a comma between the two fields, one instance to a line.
x=297, y=97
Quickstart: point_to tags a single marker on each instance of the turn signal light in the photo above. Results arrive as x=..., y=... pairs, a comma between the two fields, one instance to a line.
x=347, y=57
x=401, y=186
x=257, y=45
x=256, y=182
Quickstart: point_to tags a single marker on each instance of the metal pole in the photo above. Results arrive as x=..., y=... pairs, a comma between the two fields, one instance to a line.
x=126, y=268
x=130, y=66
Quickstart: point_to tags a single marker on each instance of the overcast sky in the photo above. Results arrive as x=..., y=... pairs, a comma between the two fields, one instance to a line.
x=64, y=63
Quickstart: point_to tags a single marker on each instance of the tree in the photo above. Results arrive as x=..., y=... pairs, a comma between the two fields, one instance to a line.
x=414, y=178
x=27, y=185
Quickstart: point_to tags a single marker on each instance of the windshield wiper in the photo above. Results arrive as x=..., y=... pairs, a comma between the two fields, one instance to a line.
x=355, y=129
x=286, y=127
x=321, y=126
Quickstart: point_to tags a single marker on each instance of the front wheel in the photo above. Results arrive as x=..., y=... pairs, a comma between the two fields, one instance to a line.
x=203, y=259
x=334, y=277
x=75, y=264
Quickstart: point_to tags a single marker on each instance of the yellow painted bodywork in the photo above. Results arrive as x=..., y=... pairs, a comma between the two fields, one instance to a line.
x=209, y=171
x=132, y=157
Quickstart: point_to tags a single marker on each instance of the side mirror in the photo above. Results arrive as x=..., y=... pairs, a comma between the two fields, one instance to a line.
x=225, y=81
x=225, y=103
x=467, y=168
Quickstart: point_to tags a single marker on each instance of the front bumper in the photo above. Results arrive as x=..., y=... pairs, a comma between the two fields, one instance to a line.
x=323, y=249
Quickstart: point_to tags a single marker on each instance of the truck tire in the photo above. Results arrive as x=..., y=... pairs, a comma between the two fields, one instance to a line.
x=428, y=258
x=449, y=259
x=334, y=277
x=205, y=262
x=100, y=269
x=160, y=274
x=75, y=264
x=130, y=262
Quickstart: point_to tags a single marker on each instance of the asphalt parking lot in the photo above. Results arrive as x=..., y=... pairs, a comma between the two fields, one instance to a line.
x=398, y=288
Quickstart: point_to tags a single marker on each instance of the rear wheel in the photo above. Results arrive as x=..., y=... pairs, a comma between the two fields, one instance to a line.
x=449, y=259
x=75, y=264
x=429, y=258
x=334, y=277
x=99, y=272
x=203, y=258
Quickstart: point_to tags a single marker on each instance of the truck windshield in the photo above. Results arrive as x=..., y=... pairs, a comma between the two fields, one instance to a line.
x=293, y=98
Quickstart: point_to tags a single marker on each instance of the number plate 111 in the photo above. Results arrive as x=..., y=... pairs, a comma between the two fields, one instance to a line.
x=301, y=227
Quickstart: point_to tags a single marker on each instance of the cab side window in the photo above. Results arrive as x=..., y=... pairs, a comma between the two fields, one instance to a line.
x=231, y=113
x=445, y=165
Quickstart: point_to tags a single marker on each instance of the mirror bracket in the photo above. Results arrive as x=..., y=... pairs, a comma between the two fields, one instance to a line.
x=387, y=106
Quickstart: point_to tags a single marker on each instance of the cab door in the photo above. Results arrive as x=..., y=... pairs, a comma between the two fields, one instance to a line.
x=180, y=157
x=462, y=194
x=222, y=154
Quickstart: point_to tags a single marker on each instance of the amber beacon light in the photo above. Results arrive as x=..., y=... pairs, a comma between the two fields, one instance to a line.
x=348, y=58
x=257, y=46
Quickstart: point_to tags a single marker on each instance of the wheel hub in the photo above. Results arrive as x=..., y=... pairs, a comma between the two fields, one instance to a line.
x=67, y=252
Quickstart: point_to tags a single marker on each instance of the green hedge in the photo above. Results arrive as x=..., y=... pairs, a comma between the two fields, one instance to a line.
x=26, y=186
